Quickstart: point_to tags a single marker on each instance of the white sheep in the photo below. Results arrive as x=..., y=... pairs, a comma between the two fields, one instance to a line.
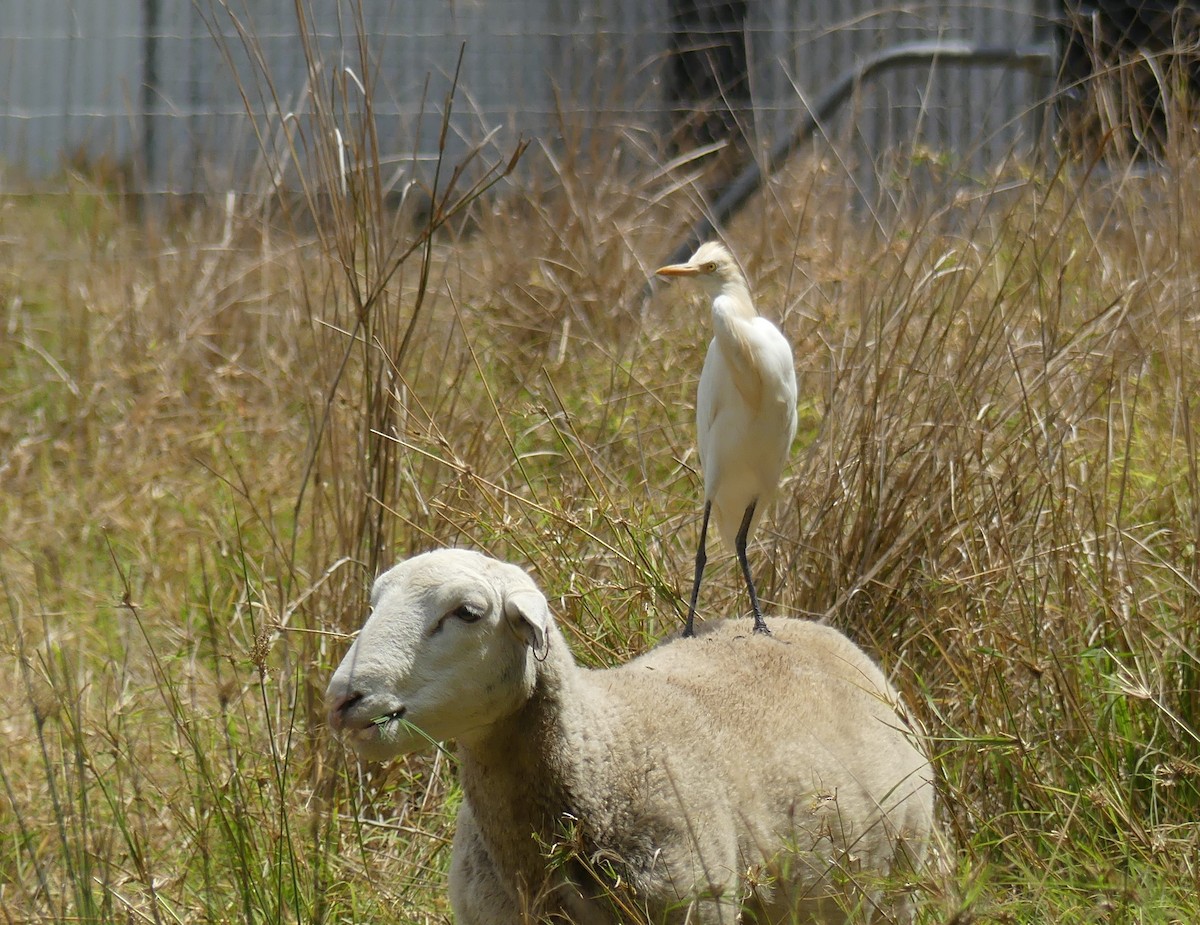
x=728, y=777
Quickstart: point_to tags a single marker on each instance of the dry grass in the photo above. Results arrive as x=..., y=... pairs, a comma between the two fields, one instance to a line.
x=212, y=439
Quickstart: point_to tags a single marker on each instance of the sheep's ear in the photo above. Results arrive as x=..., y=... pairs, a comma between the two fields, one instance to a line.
x=528, y=616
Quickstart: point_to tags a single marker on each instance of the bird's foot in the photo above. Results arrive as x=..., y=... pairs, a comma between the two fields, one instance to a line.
x=760, y=625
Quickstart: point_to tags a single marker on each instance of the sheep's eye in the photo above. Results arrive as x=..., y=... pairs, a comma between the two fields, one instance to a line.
x=467, y=613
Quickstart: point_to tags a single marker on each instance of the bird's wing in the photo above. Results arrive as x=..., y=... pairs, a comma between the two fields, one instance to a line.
x=773, y=356
x=709, y=395
x=737, y=338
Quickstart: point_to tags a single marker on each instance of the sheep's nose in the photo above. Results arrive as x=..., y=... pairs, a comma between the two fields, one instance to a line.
x=337, y=712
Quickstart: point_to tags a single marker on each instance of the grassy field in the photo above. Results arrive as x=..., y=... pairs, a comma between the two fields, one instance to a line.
x=213, y=437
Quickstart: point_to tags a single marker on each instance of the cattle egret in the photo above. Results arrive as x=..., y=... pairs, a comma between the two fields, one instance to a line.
x=745, y=412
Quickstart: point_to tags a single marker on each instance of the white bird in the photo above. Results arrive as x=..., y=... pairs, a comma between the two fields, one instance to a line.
x=745, y=411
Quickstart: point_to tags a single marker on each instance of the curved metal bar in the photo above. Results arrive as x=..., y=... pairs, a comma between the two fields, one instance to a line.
x=1040, y=58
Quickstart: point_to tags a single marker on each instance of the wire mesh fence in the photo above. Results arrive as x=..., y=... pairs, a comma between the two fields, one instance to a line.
x=185, y=96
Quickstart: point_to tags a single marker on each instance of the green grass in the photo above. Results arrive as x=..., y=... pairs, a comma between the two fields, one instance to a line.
x=211, y=439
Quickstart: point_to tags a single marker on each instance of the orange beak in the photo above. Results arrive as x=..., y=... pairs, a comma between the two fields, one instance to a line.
x=677, y=269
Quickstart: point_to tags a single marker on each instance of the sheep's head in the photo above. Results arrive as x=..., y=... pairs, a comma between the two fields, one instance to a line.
x=449, y=649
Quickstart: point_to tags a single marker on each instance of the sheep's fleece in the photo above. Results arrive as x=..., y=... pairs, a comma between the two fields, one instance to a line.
x=730, y=777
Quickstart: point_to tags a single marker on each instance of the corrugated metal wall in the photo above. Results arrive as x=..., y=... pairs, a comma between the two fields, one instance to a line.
x=70, y=80
x=144, y=81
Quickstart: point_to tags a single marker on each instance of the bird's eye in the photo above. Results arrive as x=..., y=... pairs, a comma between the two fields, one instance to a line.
x=467, y=613
x=710, y=267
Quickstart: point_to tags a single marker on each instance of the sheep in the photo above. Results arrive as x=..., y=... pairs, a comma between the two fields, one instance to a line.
x=727, y=777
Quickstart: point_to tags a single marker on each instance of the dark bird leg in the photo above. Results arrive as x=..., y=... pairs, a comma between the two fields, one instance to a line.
x=760, y=625
x=701, y=559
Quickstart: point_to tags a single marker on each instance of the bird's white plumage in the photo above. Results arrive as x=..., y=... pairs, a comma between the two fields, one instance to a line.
x=744, y=432
x=745, y=404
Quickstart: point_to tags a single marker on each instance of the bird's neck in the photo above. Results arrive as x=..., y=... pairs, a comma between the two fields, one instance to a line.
x=734, y=300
